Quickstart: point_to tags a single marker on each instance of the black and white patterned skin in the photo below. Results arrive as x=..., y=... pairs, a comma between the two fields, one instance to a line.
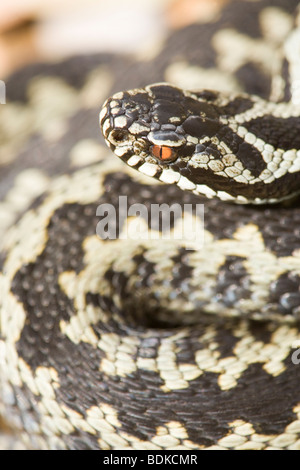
x=232, y=147
x=154, y=344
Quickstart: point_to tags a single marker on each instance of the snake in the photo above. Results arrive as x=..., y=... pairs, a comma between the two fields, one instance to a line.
x=177, y=329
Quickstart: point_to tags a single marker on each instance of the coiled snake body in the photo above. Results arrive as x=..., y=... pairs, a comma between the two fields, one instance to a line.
x=116, y=342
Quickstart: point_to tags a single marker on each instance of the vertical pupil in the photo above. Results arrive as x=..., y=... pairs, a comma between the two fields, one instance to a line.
x=162, y=152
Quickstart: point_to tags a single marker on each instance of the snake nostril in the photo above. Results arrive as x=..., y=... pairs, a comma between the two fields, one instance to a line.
x=119, y=136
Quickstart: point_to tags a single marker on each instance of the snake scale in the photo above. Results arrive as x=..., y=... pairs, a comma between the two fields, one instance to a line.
x=154, y=343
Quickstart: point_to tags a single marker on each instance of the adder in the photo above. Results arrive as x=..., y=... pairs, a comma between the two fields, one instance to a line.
x=110, y=341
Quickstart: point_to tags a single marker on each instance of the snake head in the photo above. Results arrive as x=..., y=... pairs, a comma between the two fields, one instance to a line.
x=146, y=123
x=158, y=129
x=193, y=140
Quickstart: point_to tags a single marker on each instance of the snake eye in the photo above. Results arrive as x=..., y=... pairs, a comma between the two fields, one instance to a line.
x=163, y=153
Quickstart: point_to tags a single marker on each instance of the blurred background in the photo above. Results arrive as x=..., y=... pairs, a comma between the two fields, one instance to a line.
x=35, y=30
x=60, y=60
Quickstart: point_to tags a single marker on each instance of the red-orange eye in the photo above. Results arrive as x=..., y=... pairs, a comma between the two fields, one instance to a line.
x=163, y=153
